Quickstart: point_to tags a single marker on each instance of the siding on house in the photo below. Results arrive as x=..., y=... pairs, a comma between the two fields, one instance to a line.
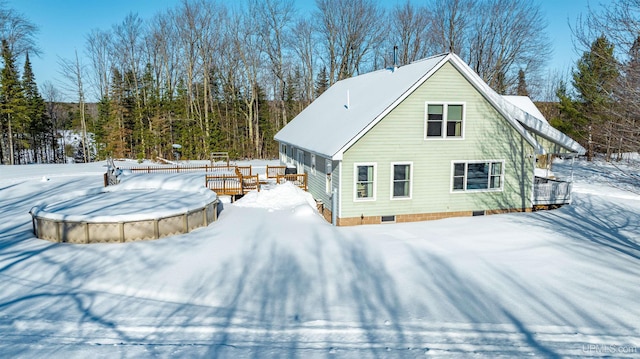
x=399, y=137
x=316, y=180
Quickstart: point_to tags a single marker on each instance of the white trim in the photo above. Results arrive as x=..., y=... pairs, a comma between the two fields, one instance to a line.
x=464, y=184
x=374, y=181
x=338, y=155
x=313, y=163
x=445, y=111
x=339, y=189
x=391, y=180
x=486, y=91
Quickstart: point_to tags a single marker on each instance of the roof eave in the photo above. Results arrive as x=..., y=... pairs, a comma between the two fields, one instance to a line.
x=340, y=154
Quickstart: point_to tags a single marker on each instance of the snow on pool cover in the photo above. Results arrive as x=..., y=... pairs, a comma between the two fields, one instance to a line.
x=128, y=211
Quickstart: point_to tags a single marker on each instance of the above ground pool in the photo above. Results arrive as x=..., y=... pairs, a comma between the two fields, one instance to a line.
x=131, y=211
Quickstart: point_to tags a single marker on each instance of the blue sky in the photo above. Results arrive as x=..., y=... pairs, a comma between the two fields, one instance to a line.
x=64, y=24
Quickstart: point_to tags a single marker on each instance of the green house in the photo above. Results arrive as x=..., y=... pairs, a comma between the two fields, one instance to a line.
x=423, y=141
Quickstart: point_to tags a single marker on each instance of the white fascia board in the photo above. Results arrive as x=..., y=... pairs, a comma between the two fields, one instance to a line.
x=339, y=155
x=497, y=103
x=550, y=133
x=298, y=147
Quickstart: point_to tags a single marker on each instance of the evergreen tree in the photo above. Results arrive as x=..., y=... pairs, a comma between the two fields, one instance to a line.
x=595, y=79
x=322, y=82
x=36, y=112
x=522, y=84
x=571, y=120
x=12, y=102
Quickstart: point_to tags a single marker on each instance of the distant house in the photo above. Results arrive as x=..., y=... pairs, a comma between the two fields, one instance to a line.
x=423, y=141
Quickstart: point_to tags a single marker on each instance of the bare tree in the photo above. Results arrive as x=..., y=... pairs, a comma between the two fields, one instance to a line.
x=274, y=18
x=509, y=35
x=75, y=73
x=55, y=113
x=127, y=41
x=247, y=44
x=409, y=30
x=451, y=25
x=99, y=49
x=17, y=31
x=350, y=30
x=303, y=43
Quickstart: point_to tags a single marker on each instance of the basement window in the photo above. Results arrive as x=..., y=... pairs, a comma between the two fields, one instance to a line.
x=388, y=219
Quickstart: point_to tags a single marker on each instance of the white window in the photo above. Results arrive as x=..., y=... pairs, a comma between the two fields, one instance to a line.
x=444, y=121
x=401, y=175
x=477, y=176
x=300, y=161
x=283, y=153
x=365, y=181
x=313, y=164
x=289, y=154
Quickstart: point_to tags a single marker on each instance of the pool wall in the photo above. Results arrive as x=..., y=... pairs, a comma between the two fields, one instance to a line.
x=64, y=228
x=124, y=231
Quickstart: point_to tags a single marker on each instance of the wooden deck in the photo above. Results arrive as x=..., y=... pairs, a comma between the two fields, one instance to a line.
x=238, y=183
x=299, y=179
x=274, y=171
x=551, y=192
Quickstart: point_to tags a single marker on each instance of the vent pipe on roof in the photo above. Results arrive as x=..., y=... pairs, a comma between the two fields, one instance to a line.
x=348, y=101
x=395, y=57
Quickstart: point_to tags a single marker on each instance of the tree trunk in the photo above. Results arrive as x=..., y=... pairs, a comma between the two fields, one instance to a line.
x=11, y=159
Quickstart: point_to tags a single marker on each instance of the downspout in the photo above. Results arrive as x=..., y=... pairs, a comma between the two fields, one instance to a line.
x=573, y=160
x=533, y=179
x=334, y=206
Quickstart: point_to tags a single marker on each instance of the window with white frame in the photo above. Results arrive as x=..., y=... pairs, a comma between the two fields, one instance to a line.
x=477, y=176
x=313, y=164
x=365, y=185
x=401, y=174
x=444, y=121
x=300, y=161
x=283, y=153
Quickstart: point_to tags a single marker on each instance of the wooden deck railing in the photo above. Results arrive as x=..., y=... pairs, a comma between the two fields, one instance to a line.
x=250, y=183
x=275, y=171
x=245, y=170
x=177, y=169
x=229, y=184
x=550, y=192
x=224, y=184
x=299, y=179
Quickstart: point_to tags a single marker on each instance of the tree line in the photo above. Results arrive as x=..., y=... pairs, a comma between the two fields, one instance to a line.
x=601, y=108
x=216, y=77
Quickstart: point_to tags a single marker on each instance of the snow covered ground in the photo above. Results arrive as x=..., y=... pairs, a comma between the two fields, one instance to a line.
x=271, y=278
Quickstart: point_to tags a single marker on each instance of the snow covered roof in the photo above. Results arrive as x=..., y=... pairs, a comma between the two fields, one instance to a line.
x=349, y=108
x=525, y=104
